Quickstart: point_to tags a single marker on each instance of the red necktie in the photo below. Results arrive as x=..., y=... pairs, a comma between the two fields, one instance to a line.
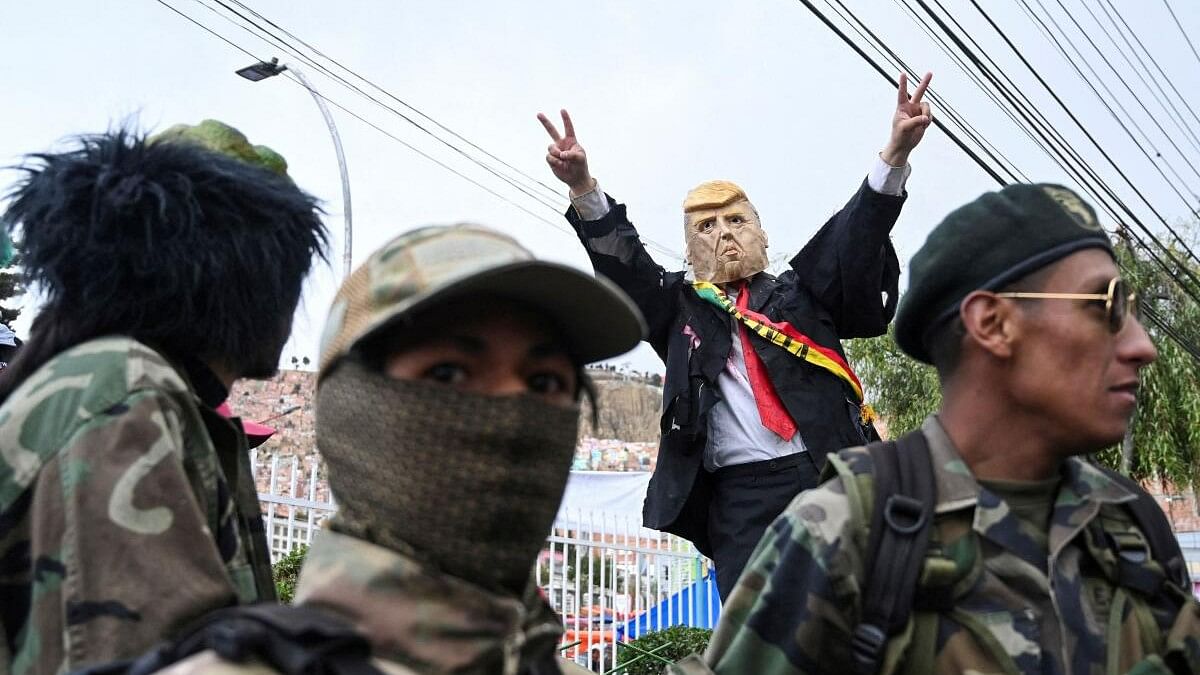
x=770, y=408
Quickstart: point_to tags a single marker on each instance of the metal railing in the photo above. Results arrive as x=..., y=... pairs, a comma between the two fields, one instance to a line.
x=609, y=578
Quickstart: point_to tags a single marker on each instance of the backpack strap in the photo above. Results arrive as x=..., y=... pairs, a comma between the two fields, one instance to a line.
x=1163, y=546
x=901, y=522
x=294, y=640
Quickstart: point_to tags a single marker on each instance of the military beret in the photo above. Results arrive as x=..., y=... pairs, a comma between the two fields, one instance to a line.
x=988, y=244
x=219, y=137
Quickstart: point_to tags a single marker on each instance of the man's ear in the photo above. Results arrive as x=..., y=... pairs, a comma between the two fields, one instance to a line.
x=990, y=322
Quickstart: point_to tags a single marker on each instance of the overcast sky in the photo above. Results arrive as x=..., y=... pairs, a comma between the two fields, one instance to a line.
x=664, y=95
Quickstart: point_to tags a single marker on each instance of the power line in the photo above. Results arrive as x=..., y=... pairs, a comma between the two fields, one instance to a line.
x=1182, y=32
x=1137, y=99
x=1160, y=95
x=879, y=69
x=295, y=52
x=977, y=159
x=276, y=41
x=1088, y=135
x=1129, y=31
x=372, y=124
x=931, y=93
x=407, y=105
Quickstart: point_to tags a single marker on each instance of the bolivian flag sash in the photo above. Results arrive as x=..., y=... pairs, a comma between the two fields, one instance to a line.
x=784, y=335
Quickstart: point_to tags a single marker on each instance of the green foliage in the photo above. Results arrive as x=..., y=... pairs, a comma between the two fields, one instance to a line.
x=10, y=286
x=684, y=641
x=902, y=390
x=1166, y=432
x=286, y=572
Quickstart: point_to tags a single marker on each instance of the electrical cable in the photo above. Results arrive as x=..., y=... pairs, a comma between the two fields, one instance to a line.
x=282, y=44
x=1182, y=32
x=883, y=73
x=423, y=154
x=1152, y=85
x=1129, y=31
x=553, y=191
x=1090, y=137
x=1137, y=99
x=1166, y=330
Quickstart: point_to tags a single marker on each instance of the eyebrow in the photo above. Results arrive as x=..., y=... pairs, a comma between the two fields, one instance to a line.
x=1097, y=284
x=545, y=349
x=468, y=343
x=472, y=345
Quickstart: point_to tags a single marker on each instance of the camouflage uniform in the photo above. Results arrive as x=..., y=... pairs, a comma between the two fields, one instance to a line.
x=1022, y=601
x=417, y=620
x=127, y=508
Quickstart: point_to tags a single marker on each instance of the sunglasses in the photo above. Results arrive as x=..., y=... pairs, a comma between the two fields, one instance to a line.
x=1119, y=301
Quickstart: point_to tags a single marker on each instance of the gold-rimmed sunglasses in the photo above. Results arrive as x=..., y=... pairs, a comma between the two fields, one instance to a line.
x=1119, y=301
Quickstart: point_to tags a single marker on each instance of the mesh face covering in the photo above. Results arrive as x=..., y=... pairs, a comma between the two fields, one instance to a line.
x=467, y=483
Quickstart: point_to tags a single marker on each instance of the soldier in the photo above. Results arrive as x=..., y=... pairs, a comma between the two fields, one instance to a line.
x=1038, y=561
x=757, y=389
x=447, y=412
x=170, y=268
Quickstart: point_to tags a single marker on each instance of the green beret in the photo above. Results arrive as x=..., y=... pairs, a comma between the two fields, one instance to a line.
x=988, y=244
x=220, y=137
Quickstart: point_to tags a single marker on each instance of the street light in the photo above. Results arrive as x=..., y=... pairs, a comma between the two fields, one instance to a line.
x=265, y=69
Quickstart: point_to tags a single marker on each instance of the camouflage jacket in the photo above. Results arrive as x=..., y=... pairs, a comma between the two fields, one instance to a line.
x=126, y=510
x=417, y=620
x=1019, y=602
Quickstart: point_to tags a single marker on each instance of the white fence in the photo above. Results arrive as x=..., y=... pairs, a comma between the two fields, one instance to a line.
x=608, y=578
x=296, y=502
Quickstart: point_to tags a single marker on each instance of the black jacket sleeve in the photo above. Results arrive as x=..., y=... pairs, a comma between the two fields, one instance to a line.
x=617, y=252
x=851, y=267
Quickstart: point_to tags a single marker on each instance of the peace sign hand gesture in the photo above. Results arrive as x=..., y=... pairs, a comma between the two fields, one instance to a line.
x=566, y=156
x=909, y=123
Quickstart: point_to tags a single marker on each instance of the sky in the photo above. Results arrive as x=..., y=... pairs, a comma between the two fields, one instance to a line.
x=664, y=96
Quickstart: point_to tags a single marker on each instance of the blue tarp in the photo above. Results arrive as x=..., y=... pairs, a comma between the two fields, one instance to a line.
x=697, y=605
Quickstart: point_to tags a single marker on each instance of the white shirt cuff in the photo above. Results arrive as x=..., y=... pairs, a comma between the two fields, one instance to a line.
x=887, y=179
x=593, y=205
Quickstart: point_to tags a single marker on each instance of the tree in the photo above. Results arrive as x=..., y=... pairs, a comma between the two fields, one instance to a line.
x=1165, y=440
x=902, y=390
x=1166, y=427
x=10, y=287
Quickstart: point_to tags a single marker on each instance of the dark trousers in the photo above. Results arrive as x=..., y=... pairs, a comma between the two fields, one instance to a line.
x=746, y=499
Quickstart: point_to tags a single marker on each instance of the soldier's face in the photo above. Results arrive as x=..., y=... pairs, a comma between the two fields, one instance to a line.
x=485, y=346
x=726, y=243
x=1068, y=369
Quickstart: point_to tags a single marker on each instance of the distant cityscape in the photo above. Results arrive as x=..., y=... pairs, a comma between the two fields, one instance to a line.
x=285, y=402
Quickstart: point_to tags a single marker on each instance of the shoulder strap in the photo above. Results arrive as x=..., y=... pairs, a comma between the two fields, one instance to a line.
x=1164, y=547
x=901, y=521
x=294, y=640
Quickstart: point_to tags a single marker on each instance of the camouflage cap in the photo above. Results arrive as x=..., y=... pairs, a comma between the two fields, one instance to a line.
x=219, y=137
x=431, y=265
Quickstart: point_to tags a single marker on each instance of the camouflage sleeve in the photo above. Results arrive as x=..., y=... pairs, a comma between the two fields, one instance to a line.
x=792, y=609
x=1182, y=653
x=123, y=549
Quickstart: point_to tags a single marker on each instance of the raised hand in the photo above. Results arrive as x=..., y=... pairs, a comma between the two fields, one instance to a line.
x=909, y=123
x=566, y=156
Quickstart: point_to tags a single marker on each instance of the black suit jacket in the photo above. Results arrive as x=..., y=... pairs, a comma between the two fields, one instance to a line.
x=842, y=284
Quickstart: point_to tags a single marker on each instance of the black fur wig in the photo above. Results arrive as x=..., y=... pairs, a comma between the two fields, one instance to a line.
x=195, y=253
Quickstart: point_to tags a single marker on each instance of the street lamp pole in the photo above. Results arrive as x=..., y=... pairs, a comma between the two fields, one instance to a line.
x=264, y=69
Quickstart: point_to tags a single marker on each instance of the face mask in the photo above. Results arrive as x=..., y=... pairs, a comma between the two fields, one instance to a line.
x=467, y=483
x=725, y=243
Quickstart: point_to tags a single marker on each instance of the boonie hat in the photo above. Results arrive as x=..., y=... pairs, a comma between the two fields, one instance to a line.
x=432, y=265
